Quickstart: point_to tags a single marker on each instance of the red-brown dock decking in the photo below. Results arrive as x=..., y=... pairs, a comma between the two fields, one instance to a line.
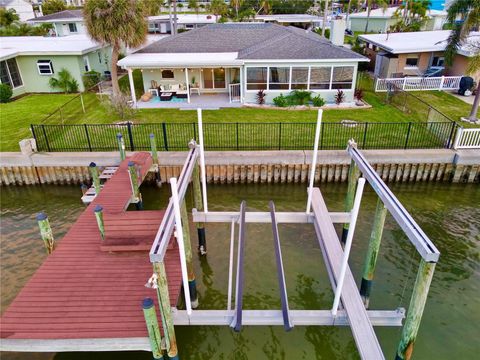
x=82, y=291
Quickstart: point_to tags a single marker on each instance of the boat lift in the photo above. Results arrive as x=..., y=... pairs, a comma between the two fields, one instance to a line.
x=349, y=306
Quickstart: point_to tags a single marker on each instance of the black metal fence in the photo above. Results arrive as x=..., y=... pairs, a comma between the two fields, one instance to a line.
x=245, y=136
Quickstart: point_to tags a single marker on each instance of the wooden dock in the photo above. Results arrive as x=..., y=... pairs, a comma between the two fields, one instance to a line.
x=86, y=294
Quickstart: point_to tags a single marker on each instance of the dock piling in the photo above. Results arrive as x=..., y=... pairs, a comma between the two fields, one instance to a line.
x=197, y=198
x=95, y=177
x=166, y=310
x=99, y=216
x=136, y=195
x=188, y=255
x=372, y=252
x=153, y=147
x=353, y=175
x=152, y=327
x=415, y=310
x=46, y=232
x=121, y=146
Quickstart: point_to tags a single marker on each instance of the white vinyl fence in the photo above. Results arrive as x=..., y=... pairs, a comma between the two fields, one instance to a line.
x=467, y=139
x=418, y=83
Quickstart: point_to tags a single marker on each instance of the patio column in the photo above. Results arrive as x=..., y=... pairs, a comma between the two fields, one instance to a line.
x=188, y=85
x=132, y=86
x=241, y=84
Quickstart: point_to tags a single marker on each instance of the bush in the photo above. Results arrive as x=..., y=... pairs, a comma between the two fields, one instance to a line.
x=280, y=101
x=91, y=78
x=300, y=97
x=5, y=93
x=261, y=97
x=318, y=101
x=339, y=97
x=65, y=82
x=119, y=105
x=358, y=94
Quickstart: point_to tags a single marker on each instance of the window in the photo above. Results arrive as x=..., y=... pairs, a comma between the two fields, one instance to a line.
x=411, y=62
x=99, y=57
x=45, y=67
x=279, y=78
x=256, y=78
x=86, y=63
x=342, y=77
x=9, y=73
x=299, y=78
x=320, y=78
x=438, y=61
x=72, y=27
x=167, y=74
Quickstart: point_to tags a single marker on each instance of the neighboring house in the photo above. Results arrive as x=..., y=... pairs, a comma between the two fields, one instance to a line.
x=298, y=20
x=23, y=8
x=381, y=20
x=67, y=22
x=160, y=24
x=243, y=58
x=27, y=63
x=415, y=53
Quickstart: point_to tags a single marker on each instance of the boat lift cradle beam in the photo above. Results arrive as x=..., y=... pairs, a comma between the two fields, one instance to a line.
x=415, y=234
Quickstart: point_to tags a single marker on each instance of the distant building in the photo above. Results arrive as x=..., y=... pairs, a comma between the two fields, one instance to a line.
x=23, y=8
x=67, y=22
x=298, y=20
x=160, y=24
x=27, y=63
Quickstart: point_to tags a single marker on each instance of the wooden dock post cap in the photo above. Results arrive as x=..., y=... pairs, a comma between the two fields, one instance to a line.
x=147, y=303
x=119, y=136
x=131, y=163
x=98, y=208
x=41, y=216
x=92, y=164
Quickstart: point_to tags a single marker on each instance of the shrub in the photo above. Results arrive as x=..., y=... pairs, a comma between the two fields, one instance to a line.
x=5, y=93
x=339, y=97
x=65, y=81
x=300, y=97
x=119, y=105
x=358, y=94
x=280, y=101
x=91, y=78
x=318, y=101
x=261, y=97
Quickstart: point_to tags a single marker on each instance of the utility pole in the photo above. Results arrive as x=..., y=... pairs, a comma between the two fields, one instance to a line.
x=324, y=24
x=175, y=16
x=172, y=32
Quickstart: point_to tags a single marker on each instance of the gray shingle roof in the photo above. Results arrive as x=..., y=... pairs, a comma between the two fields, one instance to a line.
x=252, y=41
x=65, y=14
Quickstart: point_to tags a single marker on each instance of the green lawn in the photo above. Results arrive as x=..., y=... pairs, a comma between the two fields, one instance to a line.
x=16, y=117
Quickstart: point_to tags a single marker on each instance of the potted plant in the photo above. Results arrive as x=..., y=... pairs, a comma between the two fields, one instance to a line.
x=261, y=97
x=358, y=94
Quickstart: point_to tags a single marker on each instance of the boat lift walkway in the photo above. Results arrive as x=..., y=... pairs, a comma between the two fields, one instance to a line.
x=85, y=297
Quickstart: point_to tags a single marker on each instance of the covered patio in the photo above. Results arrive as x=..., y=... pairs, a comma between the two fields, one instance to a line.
x=207, y=101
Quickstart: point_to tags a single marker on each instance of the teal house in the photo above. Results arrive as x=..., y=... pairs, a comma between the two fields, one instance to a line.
x=27, y=63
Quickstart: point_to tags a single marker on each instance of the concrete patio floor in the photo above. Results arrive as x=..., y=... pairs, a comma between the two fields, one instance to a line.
x=204, y=101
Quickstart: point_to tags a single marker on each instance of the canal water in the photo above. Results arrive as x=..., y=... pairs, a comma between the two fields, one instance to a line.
x=449, y=214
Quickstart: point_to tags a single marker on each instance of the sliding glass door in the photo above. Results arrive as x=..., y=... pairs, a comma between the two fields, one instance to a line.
x=213, y=78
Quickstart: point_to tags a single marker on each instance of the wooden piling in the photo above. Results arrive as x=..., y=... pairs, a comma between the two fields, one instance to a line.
x=99, y=216
x=165, y=310
x=372, y=252
x=95, y=177
x=153, y=329
x=192, y=286
x=136, y=195
x=46, y=232
x=121, y=146
x=197, y=200
x=353, y=175
x=415, y=310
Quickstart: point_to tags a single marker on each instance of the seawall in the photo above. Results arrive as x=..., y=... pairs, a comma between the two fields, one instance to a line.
x=253, y=166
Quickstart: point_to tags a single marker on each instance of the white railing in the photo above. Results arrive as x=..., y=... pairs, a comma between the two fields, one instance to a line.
x=418, y=83
x=234, y=92
x=467, y=139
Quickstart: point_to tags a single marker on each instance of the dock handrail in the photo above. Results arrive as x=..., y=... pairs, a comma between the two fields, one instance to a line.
x=164, y=233
x=415, y=234
x=237, y=319
x=287, y=323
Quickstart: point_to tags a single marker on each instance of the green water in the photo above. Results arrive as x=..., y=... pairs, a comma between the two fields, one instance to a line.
x=449, y=214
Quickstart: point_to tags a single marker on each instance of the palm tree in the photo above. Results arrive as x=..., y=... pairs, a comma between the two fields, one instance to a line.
x=193, y=4
x=117, y=23
x=265, y=6
x=65, y=81
x=236, y=5
x=370, y=3
x=469, y=12
x=217, y=7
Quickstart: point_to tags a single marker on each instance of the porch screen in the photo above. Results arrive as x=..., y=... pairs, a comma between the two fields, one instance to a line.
x=299, y=77
x=279, y=78
x=342, y=77
x=320, y=78
x=256, y=78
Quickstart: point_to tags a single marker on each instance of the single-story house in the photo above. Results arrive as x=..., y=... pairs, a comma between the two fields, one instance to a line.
x=382, y=19
x=67, y=22
x=414, y=53
x=160, y=24
x=27, y=63
x=23, y=8
x=236, y=60
x=298, y=20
